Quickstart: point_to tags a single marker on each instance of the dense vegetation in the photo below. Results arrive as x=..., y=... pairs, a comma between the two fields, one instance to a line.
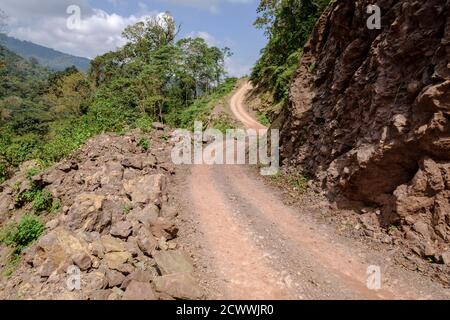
x=46, y=116
x=287, y=24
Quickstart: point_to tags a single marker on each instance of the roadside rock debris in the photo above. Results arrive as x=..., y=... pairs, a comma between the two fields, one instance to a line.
x=115, y=227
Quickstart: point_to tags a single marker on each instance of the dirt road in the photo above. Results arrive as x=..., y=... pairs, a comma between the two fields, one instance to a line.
x=250, y=245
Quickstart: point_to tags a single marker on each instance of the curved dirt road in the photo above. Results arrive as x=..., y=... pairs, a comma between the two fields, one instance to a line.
x=253, y=246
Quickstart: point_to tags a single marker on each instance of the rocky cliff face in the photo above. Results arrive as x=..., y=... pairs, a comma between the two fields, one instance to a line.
x=369, y=113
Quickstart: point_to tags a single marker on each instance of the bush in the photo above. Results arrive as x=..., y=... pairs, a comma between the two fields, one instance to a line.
x=43, y=201
x=144, y=122
x=144, y=143
x=21, y=235
x=223, y=123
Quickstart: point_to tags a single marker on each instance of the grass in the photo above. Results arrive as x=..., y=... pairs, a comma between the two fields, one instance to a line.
x=296, y=180
x=263, y=119
x=21, y=235
x=144, y=143
x=201, y=109
x=127, y=209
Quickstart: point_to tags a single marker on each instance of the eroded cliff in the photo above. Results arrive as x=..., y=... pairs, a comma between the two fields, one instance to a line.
x=369, y=113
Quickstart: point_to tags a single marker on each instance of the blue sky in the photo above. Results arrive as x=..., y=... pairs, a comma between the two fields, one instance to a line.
x=220, y=22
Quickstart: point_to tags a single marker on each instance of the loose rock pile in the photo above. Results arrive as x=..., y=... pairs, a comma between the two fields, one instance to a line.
x=116, y=227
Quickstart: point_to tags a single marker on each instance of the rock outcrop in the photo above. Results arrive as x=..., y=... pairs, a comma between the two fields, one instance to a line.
x=369, y=113
x=115, y=231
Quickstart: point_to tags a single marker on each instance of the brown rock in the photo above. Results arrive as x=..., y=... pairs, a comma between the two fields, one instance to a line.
x=179, y=285
x=138, y=275
x=112, y=244
x=82, y=260
x=115, y=260
x=121, y=229
x=99, y=295
x=114, y=278
x=146, y=242
x=133, y=162
x=172, y=261
x=146, y=189
x=446, y=257
x=164, y=228
x=86, y=213
x=158, y=126
x=139, y=291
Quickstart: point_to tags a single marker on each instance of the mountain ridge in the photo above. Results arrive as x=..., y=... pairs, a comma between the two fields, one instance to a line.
x=48, y=57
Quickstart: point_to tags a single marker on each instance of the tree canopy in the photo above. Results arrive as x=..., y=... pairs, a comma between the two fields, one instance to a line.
x=153, y=77
x=287, y=24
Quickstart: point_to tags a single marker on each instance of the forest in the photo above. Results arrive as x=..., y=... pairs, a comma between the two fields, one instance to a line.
x=287, y=25
x=154, y=77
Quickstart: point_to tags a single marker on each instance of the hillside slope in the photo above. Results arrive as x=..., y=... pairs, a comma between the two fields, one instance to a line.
x=369, y=115
x=48, y=57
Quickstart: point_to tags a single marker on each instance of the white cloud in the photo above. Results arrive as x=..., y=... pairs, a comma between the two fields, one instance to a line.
x=45, y=23
x=98, y=32
x=209, y=38
x=211, y=5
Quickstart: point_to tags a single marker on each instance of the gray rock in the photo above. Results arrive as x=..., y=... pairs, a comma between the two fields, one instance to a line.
x=158, y=126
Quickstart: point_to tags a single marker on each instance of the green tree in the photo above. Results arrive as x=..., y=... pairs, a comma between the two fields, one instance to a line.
x=287, y=24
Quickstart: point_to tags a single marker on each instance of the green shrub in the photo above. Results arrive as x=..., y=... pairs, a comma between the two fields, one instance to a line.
x=223, y=123
x=56, y=206
x=144, y=122
x=21, y=235
x=144, y=143
x=43, y=201
x=263, y=119
x=27, y=196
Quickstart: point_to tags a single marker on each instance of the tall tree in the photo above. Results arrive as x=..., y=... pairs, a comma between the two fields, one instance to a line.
x=287, y=24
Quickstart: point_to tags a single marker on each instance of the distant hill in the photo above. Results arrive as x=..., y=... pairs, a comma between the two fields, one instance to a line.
x=48, y=57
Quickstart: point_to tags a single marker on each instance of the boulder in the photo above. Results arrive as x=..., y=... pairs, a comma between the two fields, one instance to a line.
x=134, y=162
x=138, y=275
x=115, y=260
x=172, y=261
x=82, y=260
x=114, y=278
x=158, y=126
x=146, y=242
x=55, y=251
x=121, y=229
x=147, y=216
x=146, y=189
x=86, y=213
x=179, y=285
x=111, y=244
x=139, y=291
x=164, y=228
x=92, y=281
